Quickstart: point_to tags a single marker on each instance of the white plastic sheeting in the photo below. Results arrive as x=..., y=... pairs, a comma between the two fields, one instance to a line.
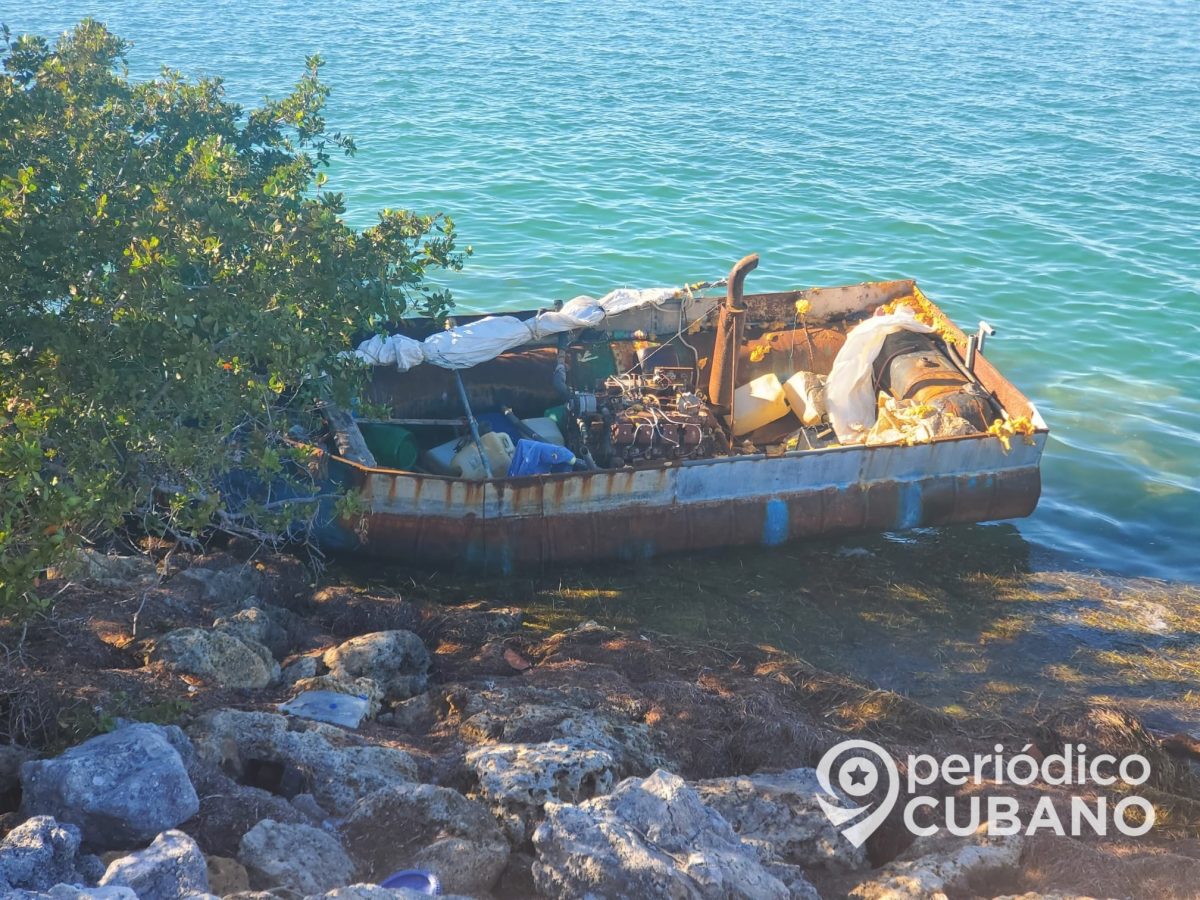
x=850, y=390
x=476, y=342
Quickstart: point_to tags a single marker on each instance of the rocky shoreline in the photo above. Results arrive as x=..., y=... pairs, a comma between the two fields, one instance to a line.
x=507, y=761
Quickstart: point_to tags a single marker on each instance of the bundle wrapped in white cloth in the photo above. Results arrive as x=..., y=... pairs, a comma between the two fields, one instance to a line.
x=476, y=342
x=850, y=392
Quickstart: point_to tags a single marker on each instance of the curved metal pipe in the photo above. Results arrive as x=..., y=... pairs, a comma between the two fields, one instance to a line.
x=722, y=376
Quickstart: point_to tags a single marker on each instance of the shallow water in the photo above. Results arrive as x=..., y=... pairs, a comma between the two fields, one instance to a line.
x=1034, y=164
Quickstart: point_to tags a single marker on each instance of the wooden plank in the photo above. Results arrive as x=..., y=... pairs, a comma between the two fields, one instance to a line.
x=458, y=422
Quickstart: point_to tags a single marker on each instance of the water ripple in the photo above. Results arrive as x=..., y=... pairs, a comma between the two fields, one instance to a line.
x=1035, y=164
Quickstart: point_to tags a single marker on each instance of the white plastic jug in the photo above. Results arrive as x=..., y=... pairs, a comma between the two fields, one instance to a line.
x=499, y=448
x=805, y=394
x=440, y=459
x=758, y=403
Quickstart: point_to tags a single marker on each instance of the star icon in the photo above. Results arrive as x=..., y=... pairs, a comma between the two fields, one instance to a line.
x=858, y=775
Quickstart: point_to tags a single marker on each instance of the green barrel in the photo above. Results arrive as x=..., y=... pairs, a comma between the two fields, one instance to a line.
x=393, y=446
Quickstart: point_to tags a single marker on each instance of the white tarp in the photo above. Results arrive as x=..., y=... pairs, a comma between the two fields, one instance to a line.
x=469, y=345
x=850, y=391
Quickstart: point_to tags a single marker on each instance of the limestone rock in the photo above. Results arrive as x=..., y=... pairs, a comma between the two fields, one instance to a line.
x=105, y=570
x=779, y=814
x=229, y=586
x=216, y=656
x=171, y=868
x=300, y=858
x=12, y=758
x=300, y=667
x=423, y=826
x=228, y=810
x=525, y=714
x=935, y=866
x=340, y=767
x=226, y=876
x=651, y=837
x=121, y=788
x=38, y=854
x=413, y=714
x=518, y=780
x=397, y=660
x=73, y=892
x=254, y=625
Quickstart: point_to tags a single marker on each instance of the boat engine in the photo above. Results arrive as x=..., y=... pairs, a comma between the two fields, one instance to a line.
x=633, y=418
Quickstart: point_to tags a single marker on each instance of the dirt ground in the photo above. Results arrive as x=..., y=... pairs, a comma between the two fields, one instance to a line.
x=736, y=663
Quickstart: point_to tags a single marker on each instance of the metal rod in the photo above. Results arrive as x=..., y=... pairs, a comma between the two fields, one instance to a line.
x=972, y=345
x=472, y=424
x=985, y=331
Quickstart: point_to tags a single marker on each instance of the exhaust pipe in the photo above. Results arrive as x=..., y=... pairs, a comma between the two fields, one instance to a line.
x=722, y=376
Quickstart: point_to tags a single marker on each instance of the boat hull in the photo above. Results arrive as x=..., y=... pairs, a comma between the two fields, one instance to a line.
x=633, y=514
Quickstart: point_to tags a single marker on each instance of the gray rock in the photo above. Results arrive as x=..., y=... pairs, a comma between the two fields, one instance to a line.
x=779, y=814
x=40, y=853
x=73, y=892
x=525, y=714
x=90, y=868
x=518, y=780
x=651, y=837
x=121, y=788
x=412, y=714
x=171, y=868
x=307, y=805
x=228, y=810
x=297, y=857
x=216, y=656
x=941, y=864
x=12, y=758
x=423, y=826
x=397, y=660
x=301, y=667
x=105, y=570
x=255, y=625
x=228, y=586
x=340, y=766
x=226, y=875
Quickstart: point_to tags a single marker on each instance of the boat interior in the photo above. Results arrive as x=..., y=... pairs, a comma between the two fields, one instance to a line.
x=700, y=376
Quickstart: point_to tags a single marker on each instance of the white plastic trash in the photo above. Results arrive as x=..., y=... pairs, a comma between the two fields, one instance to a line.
x=499, y=448
x=805, y=394
x=346, y=710
x=758, y=403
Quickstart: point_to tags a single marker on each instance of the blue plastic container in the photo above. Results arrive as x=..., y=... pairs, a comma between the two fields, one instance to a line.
x=415, y=880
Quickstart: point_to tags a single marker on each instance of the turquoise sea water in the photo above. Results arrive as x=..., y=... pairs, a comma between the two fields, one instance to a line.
x=1036, y=164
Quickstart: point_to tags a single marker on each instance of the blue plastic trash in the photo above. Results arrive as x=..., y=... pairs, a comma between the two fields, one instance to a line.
x=346, y=710
x=415, y=880
x=539, y=458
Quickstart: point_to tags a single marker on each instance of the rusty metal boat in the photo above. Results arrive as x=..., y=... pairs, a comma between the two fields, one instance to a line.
x=649, y=395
